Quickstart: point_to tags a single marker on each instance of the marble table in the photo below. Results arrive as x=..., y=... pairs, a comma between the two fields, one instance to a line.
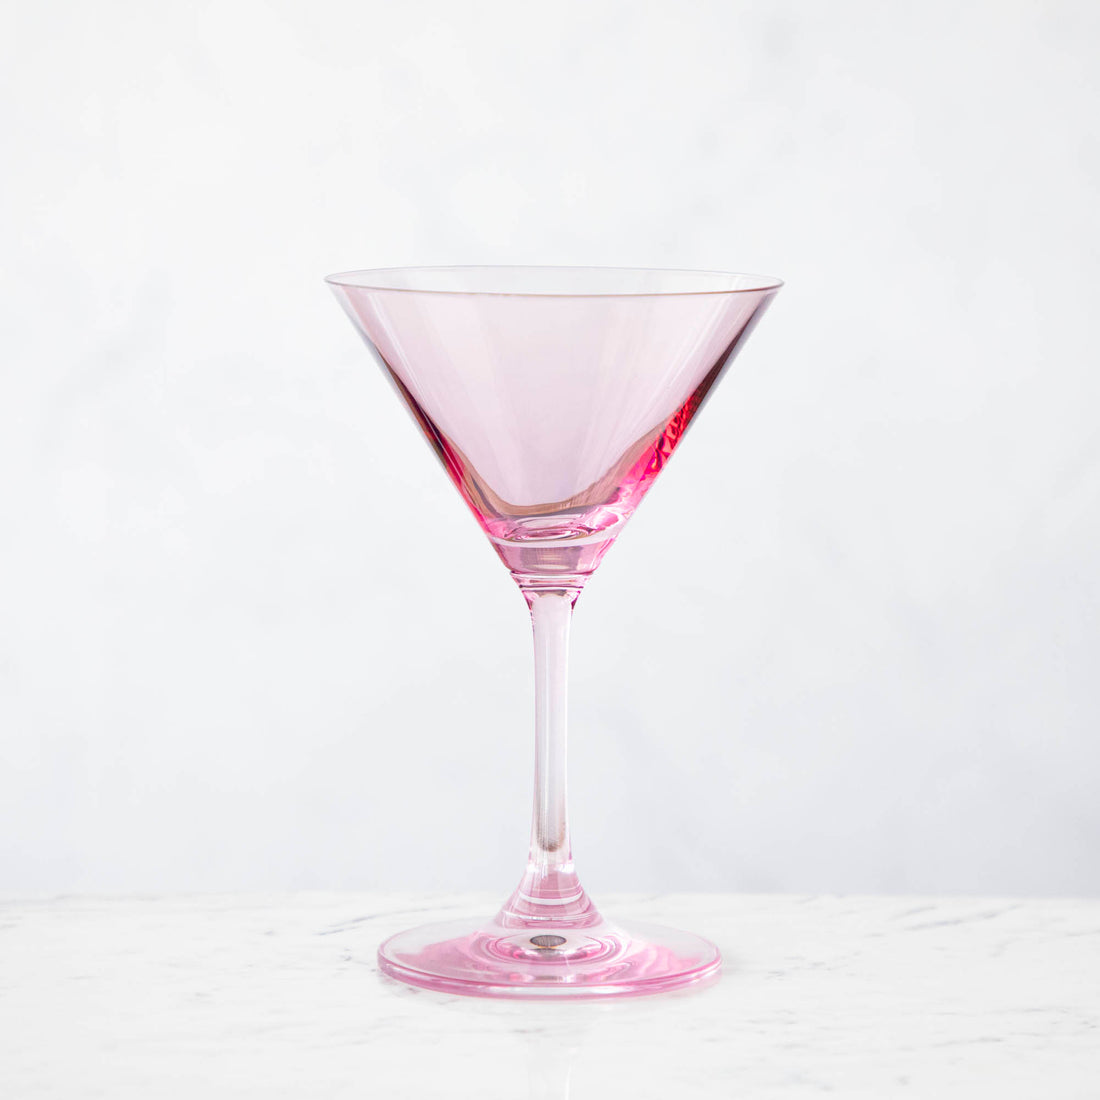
x=279, y=996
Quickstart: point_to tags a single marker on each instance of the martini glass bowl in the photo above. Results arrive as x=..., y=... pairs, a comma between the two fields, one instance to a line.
x=553, y=397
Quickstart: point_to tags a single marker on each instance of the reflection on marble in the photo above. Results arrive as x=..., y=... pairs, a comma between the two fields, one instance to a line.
x=249, y=996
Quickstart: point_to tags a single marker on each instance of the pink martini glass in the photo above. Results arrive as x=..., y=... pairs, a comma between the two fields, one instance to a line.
x=553, y=397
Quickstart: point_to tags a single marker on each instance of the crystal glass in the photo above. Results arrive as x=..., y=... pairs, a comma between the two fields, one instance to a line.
x=553, y=397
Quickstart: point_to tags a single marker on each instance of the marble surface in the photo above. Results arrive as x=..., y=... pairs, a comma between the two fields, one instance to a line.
x=279, y=996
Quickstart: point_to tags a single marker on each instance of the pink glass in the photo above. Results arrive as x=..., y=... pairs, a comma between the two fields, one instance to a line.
x=553, y=397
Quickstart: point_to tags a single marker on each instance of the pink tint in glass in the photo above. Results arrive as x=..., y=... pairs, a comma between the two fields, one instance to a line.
x=553, y=398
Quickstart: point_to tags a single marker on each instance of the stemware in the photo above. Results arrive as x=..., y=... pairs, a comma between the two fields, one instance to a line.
x=553, y=397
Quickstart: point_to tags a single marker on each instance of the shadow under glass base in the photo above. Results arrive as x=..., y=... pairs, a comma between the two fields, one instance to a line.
x=489, y=959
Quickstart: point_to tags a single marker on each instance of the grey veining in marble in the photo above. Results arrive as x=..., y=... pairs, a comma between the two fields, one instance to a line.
x=253, y=996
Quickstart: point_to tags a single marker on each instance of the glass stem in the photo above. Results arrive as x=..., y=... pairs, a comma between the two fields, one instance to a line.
x=551, y=613
x=550, y=890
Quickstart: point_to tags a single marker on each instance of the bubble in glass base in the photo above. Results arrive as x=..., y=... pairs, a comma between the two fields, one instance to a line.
x=606, y=960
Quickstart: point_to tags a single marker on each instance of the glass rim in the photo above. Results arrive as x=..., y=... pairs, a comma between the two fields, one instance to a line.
x=375, y=279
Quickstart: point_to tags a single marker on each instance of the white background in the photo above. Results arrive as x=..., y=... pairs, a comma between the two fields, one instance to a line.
x=250, y=637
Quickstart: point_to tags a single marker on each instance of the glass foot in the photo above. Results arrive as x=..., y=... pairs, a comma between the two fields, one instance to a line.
x=489, y=959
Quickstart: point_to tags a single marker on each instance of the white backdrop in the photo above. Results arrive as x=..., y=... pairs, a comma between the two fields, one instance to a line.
x=251, y=638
